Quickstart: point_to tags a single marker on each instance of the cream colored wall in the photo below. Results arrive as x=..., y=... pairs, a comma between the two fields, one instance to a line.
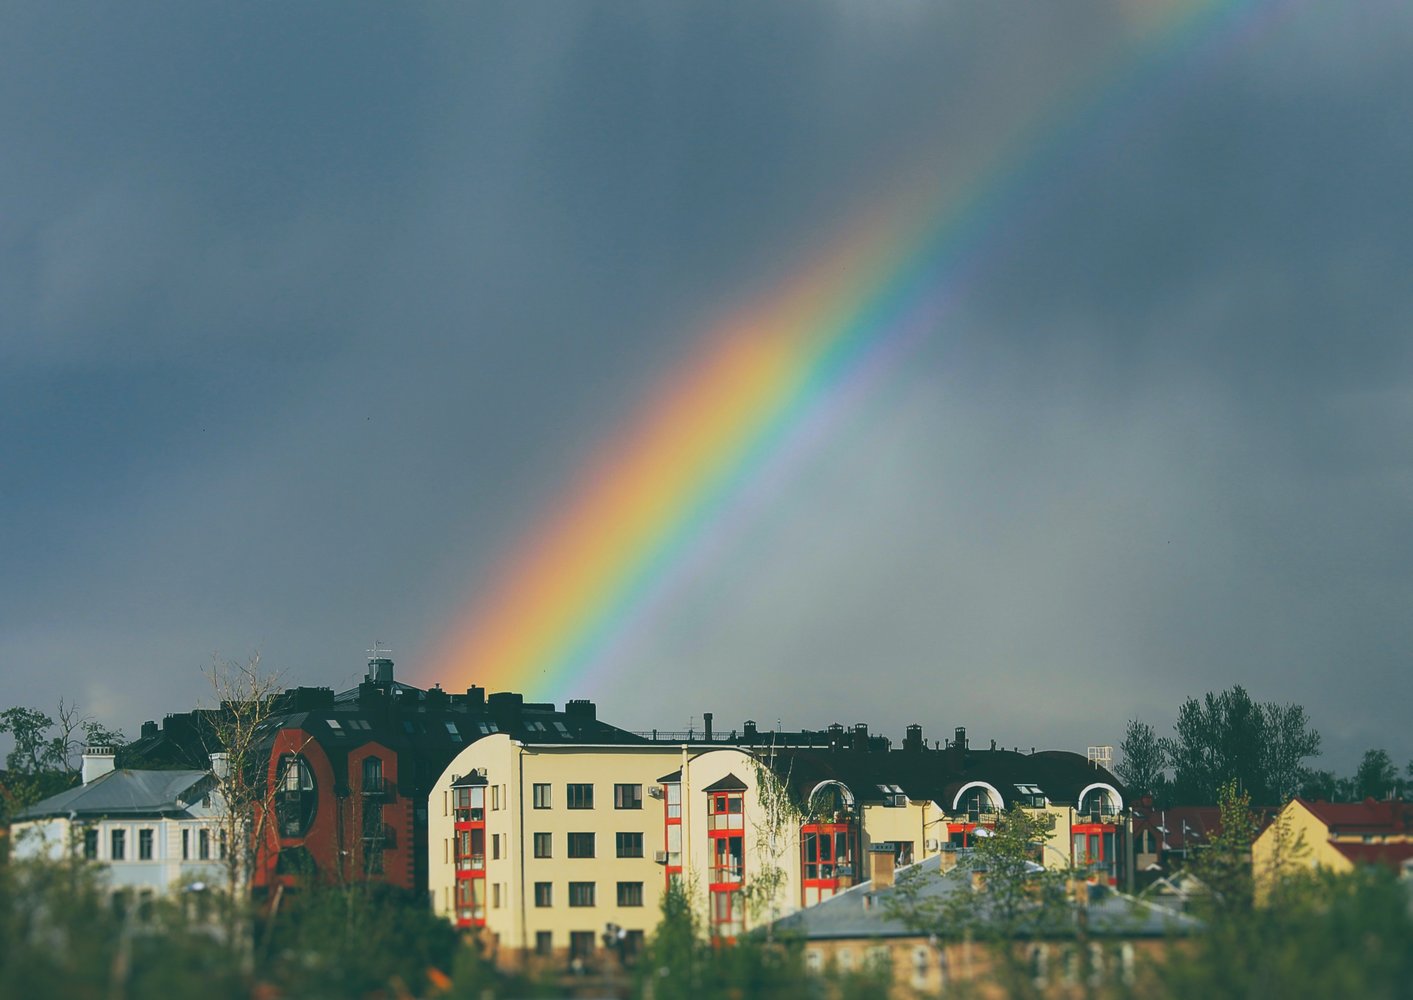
x=603, y=768
x=883, y=824
x=516, y=769
x=706, y=769
x=495, y=755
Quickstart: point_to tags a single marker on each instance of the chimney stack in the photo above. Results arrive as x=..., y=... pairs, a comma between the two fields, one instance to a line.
x=97, y=761
x=220, y=764
x=881, y=864
x=706, y=722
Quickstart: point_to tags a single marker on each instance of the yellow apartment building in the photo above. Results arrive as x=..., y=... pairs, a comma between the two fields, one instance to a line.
x=558, y=849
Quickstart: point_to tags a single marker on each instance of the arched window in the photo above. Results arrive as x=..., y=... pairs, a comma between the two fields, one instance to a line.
x=1098, y=801
x=295, y=800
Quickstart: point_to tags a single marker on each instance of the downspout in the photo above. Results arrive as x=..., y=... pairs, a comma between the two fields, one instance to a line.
x=524, y=932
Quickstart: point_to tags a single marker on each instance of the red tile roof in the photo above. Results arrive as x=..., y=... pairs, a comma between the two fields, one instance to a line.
x=1388, y=855
x=1369, y=816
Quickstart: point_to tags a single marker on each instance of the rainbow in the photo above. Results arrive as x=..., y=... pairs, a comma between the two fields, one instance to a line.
x=765, y=386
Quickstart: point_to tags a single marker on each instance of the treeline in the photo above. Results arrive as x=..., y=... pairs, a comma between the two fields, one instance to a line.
x=46, y=752
x=1264, y=747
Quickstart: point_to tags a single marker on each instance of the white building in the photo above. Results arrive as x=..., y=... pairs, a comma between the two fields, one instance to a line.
x=151, y=831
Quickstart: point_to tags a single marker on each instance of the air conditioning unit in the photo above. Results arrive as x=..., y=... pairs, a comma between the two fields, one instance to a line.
x=654, y=791
x=932, y=845
x=660, y=857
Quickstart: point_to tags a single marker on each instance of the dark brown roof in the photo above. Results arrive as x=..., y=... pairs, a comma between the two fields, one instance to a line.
x=730, y=783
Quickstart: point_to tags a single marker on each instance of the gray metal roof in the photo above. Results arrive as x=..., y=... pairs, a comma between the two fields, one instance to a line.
x=124, y=793
x=863, y=912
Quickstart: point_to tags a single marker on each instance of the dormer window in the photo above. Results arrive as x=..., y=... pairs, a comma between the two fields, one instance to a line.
x=1030, y=796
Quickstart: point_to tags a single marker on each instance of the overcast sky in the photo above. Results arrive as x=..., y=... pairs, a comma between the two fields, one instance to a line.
x=307, y=311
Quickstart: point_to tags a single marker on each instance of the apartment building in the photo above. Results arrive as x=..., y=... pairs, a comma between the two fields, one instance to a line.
x=554, y=849
x=349, y=774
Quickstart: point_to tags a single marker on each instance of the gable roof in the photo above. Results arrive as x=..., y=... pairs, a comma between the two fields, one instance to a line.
x=730, y=783
x=125, y=793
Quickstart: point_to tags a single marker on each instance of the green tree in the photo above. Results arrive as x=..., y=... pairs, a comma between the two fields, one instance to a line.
x=1228, y=737
x=1141, y=768
x=679, y=963
x=1330, y=936
x=1315, y=785
x=1288, y=741
x=1376, y=776
x=1224, y=862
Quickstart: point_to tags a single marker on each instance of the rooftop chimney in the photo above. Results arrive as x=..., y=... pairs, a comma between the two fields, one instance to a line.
x=706, y=722
x=961, y=740
x=380, y=671
x=97, y=761
x=149, y=729
x=914, y=740
x=220, y=764
x=580, y=708
x=748, y=729
x=881, y=864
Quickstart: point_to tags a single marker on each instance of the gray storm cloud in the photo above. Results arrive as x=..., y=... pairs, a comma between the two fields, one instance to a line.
x=305, y=318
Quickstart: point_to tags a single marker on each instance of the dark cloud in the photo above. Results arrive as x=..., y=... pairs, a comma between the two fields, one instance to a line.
x=308, y=313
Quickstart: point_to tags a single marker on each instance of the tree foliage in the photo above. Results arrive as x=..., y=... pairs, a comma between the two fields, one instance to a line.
x=680, y=963
x=1224, y=863
x=1376, y=777
x=1141, y=766
x=1228, y=737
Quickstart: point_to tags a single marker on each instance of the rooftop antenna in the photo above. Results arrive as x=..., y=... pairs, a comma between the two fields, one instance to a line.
x=379, y=651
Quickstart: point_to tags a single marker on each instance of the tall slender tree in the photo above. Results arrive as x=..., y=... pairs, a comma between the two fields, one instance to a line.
x=1141, y=767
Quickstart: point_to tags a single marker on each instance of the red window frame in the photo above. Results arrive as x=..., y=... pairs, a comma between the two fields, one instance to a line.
x=469, y=853
x=1102, y=848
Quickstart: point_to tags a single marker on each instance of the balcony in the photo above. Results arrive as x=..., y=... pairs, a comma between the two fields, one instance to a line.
x=380, y=788
x=474, y=863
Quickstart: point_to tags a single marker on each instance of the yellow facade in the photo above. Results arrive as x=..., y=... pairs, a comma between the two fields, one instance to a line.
x=529, y=896
x=537, y=900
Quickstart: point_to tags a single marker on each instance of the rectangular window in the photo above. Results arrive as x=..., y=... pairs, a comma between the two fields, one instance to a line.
x=579, y=796
x=119, y=844
x=90, y=844
x=495, y=797
x=495, y=847
x=633, y=944
x=581, y=944
x=627, y=796
x=544, y=893
x=203, y=845
x=630, y=894
x=495, y=896
x=581, y=845
x=544, y=845
x=674, y=801
x=144, y=845
x=630, y=845
x=581, y=894
x=544, y=943
x=542, y=796
x=727, y=860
